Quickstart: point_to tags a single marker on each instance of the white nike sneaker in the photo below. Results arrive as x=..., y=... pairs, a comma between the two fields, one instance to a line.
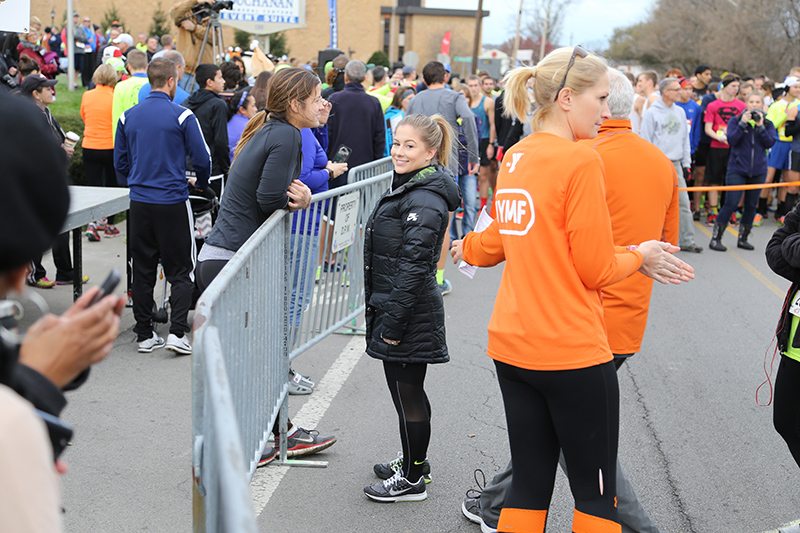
x=179, y=345
x=148, y=345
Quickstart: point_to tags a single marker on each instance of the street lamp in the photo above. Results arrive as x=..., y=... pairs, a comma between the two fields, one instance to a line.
x=52, y=17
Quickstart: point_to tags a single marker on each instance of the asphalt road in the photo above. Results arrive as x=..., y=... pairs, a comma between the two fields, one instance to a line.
x=702, y=456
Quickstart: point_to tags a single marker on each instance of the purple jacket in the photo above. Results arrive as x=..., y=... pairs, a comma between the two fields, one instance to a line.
x=315, y=176
x=749, y=146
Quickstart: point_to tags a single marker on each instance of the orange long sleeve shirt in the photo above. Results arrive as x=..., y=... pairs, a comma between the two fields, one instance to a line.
x=642, y=197
x=553, y=229
x=96, y=114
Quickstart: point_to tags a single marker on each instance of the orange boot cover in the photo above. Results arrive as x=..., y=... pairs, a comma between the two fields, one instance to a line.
x=522, y=521
x=586, y=523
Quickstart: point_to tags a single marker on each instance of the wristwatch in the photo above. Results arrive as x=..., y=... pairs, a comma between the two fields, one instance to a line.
x=330, y=173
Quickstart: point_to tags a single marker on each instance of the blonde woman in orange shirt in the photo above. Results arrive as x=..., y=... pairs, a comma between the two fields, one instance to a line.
x=98, y=145
x=547, y=334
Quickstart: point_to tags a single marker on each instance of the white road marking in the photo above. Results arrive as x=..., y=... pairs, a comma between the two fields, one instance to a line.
x=266, y=480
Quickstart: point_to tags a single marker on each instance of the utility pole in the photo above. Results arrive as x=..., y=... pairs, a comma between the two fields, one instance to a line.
x=477, y=47
x=392, y=47
x=515, y=51
x=70, y=47
x=545, y=29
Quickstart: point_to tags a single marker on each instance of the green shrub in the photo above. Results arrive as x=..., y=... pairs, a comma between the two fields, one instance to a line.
x=379, y=58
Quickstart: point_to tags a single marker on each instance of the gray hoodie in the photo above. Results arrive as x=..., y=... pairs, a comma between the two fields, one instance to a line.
x=451, y=105
x=665, y=127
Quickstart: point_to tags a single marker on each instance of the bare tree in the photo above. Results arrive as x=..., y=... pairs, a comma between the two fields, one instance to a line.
x=742, y=36
x=545, y=21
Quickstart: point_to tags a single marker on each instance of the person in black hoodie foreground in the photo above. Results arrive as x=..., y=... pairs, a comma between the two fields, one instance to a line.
x=212, y=114
x=56, y=352
x=405, y=314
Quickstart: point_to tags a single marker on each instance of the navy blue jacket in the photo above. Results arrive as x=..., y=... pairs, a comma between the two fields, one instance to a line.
x=153, y=139
x=357, y=122
x=749, y=146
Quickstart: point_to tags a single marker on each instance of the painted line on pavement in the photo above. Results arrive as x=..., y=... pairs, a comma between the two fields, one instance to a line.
x=266, y=480
x=747, y=266
x=781, y=528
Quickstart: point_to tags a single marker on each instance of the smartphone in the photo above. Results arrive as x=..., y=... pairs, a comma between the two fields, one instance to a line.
x=107, y=287
x=342, y=154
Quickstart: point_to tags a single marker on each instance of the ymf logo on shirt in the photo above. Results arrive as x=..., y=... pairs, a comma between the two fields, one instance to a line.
x=514, y=210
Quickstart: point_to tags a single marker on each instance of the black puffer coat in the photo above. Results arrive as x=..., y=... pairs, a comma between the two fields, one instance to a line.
x=402, y=245
x=783, y=257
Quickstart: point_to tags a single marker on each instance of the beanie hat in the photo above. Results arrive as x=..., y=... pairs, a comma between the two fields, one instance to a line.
x=35, y=195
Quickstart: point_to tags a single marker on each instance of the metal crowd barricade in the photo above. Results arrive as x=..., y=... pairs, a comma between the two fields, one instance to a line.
x=279, y=295
x=331, y=294
x=370, y=170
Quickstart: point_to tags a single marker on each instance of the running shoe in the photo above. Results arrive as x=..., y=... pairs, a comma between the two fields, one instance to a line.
x=267, y=456
x=148, y=345
x=712, y=219
x=734, y=219
x=780, y=221
x=446, y=287
x=397, y=489
x=696, y=215
x=693, y=248
x=84, y=280
x=471, y=506
x=757, y=220
x=91, y=233
x=179, y=345
x=111, y=231
x=387, y=470
x=42, y=283
x=299, y=384
x=305, y=442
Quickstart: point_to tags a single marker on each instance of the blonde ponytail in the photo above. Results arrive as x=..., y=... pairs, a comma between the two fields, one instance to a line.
x=436, y=133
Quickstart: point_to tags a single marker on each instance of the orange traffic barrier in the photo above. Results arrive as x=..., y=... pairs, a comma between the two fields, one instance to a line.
x=741, y=187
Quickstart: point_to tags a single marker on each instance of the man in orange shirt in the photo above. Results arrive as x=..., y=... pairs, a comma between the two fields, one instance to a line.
x=640, y=210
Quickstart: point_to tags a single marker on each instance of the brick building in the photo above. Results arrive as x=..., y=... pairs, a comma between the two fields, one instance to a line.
x=363, y=25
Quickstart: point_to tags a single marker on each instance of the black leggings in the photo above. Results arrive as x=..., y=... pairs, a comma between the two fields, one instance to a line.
x=99, y=168
x=406, y=382
x=786, y=413
x=576, y=411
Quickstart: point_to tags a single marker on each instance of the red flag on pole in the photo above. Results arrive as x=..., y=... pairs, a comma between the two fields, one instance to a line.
x=446, y=43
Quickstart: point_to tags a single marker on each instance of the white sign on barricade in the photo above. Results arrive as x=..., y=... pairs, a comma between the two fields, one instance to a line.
x=344, y=229
x=15, y=15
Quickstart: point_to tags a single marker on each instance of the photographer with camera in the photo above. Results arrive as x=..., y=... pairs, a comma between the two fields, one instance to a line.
x=192, y=18
x=749, y=136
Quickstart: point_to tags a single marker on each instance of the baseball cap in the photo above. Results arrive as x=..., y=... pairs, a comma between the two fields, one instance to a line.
x=408, y=69
x=124, y=38
x=33, y=82
x=791, y=81
x=117, y=62
x=111, y=51
x=447, y=67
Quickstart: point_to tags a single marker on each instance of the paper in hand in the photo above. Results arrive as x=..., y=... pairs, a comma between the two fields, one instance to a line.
x=483, y=222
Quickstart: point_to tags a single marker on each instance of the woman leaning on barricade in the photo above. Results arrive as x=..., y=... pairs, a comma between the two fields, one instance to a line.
x=262, y=179
x=547, y=334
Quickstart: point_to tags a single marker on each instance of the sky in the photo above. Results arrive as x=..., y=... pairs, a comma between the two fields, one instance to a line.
x=588, y=22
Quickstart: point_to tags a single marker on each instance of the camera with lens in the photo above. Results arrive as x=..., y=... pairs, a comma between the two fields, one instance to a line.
x=755, y=115
x=216, y=7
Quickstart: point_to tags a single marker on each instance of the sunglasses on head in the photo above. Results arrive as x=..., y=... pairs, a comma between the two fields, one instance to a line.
x=578, y=51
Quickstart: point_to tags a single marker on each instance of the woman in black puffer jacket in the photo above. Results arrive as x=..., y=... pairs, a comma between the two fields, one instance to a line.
x=405, y=314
